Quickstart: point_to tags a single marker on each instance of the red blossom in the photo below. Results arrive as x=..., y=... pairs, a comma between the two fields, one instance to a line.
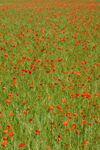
x=65, y=123
x=30, y=119
x=75, y=114
x=66, y=144
x=83, y=121
x=48, y=147
x=37, y=131
x=21, y=144
x=11, y=133
x=59, y=136
x=3, y=143
x=13, y=82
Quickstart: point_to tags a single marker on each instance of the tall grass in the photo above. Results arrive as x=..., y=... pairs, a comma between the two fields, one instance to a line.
x=49, y=75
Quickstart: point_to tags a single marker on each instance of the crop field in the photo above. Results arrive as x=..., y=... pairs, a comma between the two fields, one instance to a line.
x=49, y=75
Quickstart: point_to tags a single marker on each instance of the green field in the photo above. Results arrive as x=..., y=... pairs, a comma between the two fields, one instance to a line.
x=49, y=75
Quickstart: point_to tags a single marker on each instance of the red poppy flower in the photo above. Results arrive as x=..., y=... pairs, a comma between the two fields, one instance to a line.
x=72, y=95
x=39, y=96
x=67, y=105
x=11, y=114
x=66, y=144
x=59, y=79
x=11, y=134
x=65, y=123
x=24, y=111
x=66, y=129
x=70, y=118
x=50, y=107
x=84, y=115
x=48, y=147
x=30, y=119
x=5, y=131
x=83, y=121
x=94, y=116
x=37, y=131
x=77, y=132
x=3, y=143
x=59, y=136
x=64, y=100
x=24, y=103
x=7, y=101
x=77, y=94
x=74, y=114
x=89, y=123
x=56, y=83
x=83, y=145
x=5, y=138
x=8, y=127
x=64, y=72
x=31, y=86
x=21, y=144
x=54, y=112
x=74, y=125
x=24, y=57
x=13, y=82
x=51, y=123
x=96, y=121
x=4, y=87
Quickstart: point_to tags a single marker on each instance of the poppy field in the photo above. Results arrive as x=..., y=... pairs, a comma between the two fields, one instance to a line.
x=49, y=75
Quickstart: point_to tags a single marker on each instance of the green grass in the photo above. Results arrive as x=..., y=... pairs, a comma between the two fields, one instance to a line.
x=51, y=50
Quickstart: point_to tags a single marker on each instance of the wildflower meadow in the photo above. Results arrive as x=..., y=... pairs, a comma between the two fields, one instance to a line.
x=49, y=74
